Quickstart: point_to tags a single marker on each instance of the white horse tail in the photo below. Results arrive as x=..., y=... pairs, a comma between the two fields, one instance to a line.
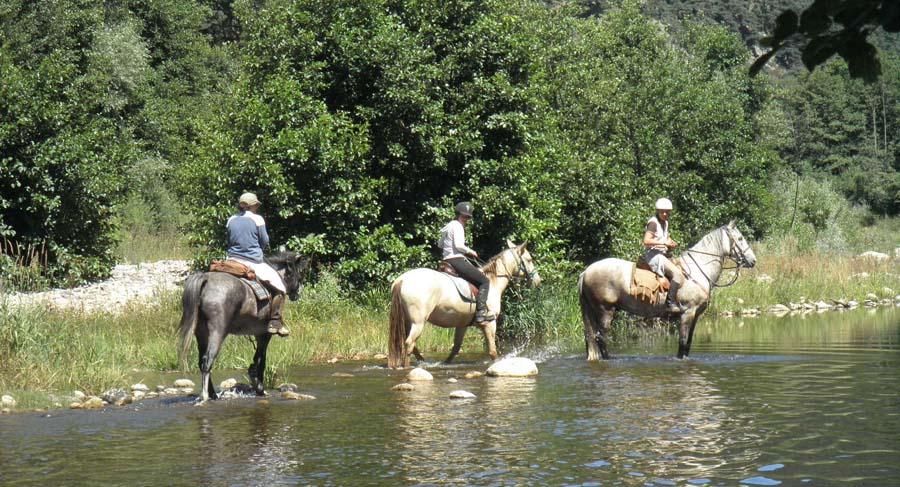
x=190, y=304
x=397, y=325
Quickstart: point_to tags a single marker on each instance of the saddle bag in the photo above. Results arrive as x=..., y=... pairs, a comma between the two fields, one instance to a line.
x=648, y=287
x=232, y=267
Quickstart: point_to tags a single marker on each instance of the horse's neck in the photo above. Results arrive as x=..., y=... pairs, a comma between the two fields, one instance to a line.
x=708, y=258
x=498, y=281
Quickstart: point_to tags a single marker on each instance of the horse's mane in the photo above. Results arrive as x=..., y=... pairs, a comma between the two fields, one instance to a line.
x=490, y=267
x=281, y=258
x=706, y=236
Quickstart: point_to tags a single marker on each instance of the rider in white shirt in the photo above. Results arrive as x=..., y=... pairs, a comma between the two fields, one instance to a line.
x=658, y=244
x=454, y=252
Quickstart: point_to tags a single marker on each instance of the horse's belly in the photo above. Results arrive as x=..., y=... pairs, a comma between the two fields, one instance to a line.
x=452, y=315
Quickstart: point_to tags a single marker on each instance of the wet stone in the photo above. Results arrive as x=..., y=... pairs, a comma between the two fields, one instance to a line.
x=461, y=394
x=379, y=356
x=513, y=367
x=287, y=387
x=113, y=396
x=170, y=391
x=228, y=383
x=473, y=375
x=404, y=387
x=180, y=383
x=294, y=396
x=78, y=395
x=7, y=401
x=419, y=374
x=92, y=402
x=140, y=387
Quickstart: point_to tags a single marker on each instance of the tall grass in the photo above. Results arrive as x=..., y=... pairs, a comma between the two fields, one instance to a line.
x=23, y=267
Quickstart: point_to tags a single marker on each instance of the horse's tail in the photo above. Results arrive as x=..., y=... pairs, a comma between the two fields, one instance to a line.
x=397, y=333
x=190, y=304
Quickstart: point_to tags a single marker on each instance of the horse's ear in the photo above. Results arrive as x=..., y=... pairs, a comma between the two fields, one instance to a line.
x=731, y=224
x=522, y=247
x=510, y=244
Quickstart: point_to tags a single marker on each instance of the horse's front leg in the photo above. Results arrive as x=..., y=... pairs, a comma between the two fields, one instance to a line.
x=458, y=336
x=693, y=325
x=257, y=370
x=685, y=331
x=490, y=333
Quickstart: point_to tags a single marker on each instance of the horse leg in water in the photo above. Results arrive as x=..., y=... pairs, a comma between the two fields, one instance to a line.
x=409, y=346
x=202, y=335
x=257, y=370
x=418, y=354
x=490, y=331
x=686, y=332
x=596, y=330
x=209, y=349
x=458, y=336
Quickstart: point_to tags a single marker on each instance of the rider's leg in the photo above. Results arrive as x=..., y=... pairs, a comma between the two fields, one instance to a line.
x=276, y=324
x=472, y=274
x=676, y=279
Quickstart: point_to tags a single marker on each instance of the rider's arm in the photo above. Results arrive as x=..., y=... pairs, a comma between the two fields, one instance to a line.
x=459, y=240
x=650, y=240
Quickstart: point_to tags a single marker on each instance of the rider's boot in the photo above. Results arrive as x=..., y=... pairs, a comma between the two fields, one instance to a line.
x=276, y=325
x=672, y=304
x=482, y=314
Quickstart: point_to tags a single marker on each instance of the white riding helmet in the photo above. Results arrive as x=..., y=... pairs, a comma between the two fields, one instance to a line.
x=663, y=204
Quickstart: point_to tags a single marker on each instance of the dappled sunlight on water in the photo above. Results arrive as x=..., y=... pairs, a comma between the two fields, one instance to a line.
x=773, y=401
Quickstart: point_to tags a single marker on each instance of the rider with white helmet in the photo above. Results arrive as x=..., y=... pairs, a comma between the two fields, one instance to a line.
x=658, y=244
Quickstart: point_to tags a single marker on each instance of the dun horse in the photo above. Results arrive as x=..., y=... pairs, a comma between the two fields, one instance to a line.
x=422, y=295
x=216, y=304
x=604, y=288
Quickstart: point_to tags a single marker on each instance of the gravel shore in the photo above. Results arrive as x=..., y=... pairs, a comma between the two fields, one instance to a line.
x=127, y=284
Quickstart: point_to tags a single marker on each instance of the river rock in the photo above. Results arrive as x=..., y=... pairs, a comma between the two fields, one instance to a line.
x=794, y=306
x=419, y=373
x=78, y=395
x=871, y=254
x=228, y=383
x=161, y=389
x=452, y=380
x=92, y=402
x=294, y=396
x=113, y=396
x=151, y=395
x=749, y=311
x=513, y=367
x=7, y=401
x=778, y=308
x=871, y=296
x=473, y=375
x=823, y=305
x=404, y=387
x=171, y=391
x=461, y=394
x=138, y=395
x=76, y=405
x=379, y=356
x=140, y=387
x=183, y=383
x=852, y=304
x=286, y=387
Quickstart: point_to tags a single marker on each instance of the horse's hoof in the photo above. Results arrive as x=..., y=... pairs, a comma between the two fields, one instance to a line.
x=200, y=402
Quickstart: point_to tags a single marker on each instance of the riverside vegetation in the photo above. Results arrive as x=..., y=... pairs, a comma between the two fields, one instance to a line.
x=127, y=125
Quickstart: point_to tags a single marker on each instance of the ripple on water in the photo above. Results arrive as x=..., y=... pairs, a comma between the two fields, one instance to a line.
x=771, y=468
x=760, y=480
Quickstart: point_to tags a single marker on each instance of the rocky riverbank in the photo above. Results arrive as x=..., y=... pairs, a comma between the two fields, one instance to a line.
x=128, y=283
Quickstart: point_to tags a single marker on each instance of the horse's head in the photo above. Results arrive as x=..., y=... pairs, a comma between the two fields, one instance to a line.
x=517, y=257
x=292, y=268
x=739, y=248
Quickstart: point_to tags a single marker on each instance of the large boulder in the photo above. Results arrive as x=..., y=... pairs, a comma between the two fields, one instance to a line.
x=513, y=367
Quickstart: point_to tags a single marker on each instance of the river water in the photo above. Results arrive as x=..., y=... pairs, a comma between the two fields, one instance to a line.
x=768, y=401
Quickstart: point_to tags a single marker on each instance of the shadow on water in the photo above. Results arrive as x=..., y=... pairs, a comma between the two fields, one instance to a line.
x=760, y=402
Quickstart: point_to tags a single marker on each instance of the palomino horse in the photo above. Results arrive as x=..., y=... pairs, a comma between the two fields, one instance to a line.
x=422, y=295
x=216, y=304
x=604, y=288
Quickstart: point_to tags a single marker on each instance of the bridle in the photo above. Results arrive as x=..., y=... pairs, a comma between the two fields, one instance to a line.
x=522, y=272
x=739, y=258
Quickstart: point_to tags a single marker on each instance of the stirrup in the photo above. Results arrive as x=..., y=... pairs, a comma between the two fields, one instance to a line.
x=673, y=307
x=484, y=317
x=278, y=328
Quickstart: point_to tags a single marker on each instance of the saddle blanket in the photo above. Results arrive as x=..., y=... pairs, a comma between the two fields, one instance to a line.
x=262, y=294
x=463, y=287
x=647, y=286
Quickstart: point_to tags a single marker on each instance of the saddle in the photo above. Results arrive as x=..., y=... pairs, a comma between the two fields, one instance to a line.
x=467, y=291
x=646, y=285
x=244, y=273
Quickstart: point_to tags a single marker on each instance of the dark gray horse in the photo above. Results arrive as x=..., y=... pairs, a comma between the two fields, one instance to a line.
x=216, y=304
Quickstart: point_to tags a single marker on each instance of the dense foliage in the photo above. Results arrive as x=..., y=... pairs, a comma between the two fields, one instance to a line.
x=359, y=124
x=92, y=95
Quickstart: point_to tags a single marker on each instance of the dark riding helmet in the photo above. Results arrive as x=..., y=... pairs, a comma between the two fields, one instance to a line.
x=464, y=208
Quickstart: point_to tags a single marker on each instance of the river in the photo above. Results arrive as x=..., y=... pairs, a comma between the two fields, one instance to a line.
x=808, y=400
